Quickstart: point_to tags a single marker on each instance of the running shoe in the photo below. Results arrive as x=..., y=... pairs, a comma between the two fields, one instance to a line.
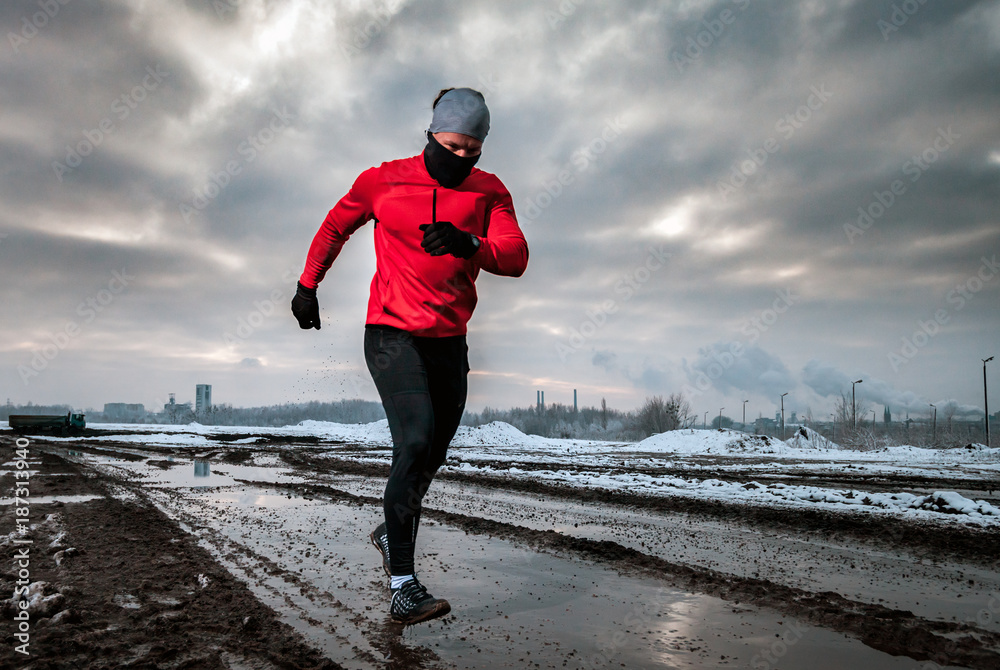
x=380, y=538
x=412, y=604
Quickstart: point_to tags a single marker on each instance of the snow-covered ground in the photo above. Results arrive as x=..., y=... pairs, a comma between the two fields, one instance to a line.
x=651, y=466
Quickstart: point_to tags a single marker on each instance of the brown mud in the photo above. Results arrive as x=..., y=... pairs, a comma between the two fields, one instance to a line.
x=136, y=590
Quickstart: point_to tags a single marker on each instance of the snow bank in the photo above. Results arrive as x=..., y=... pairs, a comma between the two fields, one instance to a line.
x=709, y=442
x=973, y=453
x=495, y=433
x=790, y=495
x=376, y=432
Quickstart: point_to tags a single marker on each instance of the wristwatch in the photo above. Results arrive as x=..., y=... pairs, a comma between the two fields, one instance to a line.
x=475, y=241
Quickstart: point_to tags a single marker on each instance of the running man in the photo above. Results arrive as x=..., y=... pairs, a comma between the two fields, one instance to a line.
x=438, y=222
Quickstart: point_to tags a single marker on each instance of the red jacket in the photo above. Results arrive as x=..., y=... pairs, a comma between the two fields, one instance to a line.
x=430, y=296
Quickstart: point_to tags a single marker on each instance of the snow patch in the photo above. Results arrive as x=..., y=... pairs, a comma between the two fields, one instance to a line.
x=949, y=502
x=807, y=438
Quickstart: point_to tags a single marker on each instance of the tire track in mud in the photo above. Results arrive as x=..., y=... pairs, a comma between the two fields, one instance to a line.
x=897, y=632
x=384, y=636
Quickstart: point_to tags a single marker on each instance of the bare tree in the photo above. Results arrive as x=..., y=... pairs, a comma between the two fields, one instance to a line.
x=685, y=419
x=845, y=412
x=659, y=416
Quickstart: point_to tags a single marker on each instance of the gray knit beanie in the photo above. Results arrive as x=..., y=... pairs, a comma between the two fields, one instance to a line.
x=462, y=110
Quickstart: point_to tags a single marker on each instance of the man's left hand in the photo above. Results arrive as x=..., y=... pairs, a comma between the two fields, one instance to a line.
x=442, y=237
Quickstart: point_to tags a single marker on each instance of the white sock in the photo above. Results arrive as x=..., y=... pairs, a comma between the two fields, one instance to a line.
x=399, y=580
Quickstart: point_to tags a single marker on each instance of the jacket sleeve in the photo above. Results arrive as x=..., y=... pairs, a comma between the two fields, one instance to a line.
x=503, y=251
x=349, y=214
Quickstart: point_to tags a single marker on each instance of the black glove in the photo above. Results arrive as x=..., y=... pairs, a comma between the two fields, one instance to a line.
x=442, y=237
x=305, y=307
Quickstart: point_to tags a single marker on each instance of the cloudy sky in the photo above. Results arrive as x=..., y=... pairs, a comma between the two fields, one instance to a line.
x=734, y=199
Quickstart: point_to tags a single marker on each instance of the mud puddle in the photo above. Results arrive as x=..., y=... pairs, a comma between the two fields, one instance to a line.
x=512, y=605
x=951, y=591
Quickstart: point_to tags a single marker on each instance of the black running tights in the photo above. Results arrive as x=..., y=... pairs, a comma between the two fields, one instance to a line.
x=422, y=382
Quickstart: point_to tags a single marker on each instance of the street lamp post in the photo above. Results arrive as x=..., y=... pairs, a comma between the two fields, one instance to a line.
x=833, y=417
x=854, y=406
x=720, y=417
x=704, y=422
x=934, y=429
x=783, y=414
x=986, y=402
x=745, y=415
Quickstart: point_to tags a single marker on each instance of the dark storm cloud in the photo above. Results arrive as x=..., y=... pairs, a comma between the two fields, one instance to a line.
x=824, y=378
x=827, y=381
x=73, y=114
x=734, y=366
x=354, y=85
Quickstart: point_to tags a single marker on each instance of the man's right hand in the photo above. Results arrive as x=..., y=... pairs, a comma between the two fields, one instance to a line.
x=305, y=307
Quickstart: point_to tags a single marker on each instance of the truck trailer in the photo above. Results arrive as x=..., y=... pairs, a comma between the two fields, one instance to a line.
x=48, y=423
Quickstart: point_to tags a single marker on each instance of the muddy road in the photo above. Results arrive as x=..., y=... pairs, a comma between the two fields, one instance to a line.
x=538, y=574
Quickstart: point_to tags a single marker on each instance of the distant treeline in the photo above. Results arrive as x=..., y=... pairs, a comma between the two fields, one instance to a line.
x=7, y=410
x=657, y=415
x=344, y=411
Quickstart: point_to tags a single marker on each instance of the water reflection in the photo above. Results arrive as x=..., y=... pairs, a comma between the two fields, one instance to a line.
x=202, y=469
x=45, y=500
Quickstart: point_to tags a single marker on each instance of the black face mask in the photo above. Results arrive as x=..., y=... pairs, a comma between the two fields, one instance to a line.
x=447, y=168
